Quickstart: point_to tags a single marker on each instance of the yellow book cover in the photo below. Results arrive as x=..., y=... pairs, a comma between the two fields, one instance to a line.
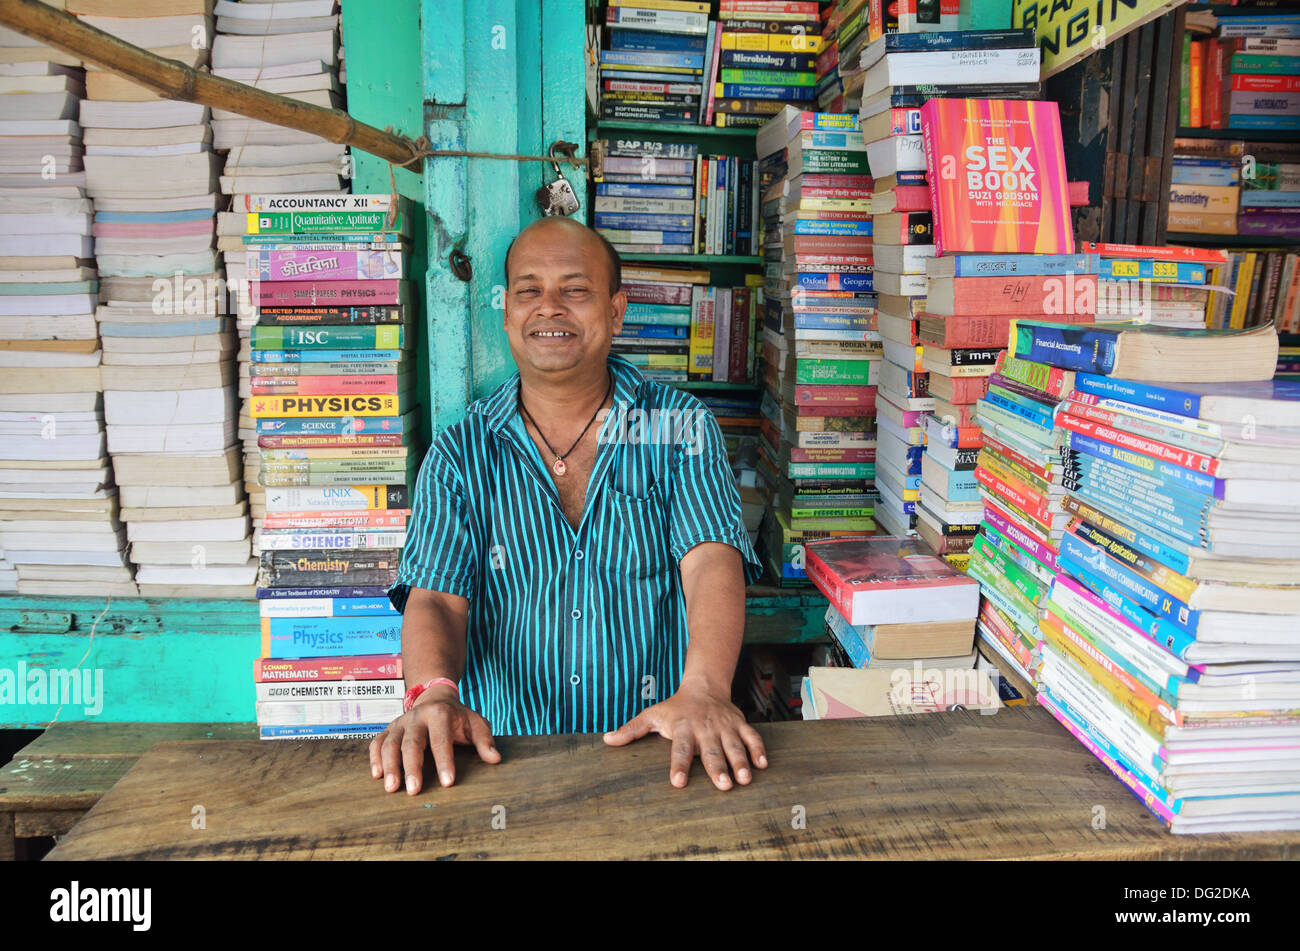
x=1242, y=299
x=293, y=407
x=772, y=42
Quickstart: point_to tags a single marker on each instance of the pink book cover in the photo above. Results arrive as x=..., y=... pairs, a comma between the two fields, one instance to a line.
x=996, y=172
x=345, y=265
x=168, y=229
x=327, y=293
x=844, y=567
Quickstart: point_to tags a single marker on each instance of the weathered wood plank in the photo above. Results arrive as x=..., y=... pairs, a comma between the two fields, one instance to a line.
x=939, y=786
x=8, y=848
x=50, y=783
x=37, y=824
x=105, y=740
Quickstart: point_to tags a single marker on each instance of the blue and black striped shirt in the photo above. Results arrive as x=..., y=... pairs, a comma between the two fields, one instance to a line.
x=572, y=631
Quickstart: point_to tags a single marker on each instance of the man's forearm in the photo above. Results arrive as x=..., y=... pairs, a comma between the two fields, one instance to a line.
x=713, y=582
x=433, y=636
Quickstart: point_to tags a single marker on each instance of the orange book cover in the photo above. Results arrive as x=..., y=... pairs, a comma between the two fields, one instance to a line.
x=996, y=172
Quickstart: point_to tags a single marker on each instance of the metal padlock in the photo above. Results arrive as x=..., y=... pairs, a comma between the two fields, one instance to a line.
x=558, y=197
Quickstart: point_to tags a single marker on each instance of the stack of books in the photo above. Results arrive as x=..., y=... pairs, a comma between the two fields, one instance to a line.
x=1270, y=197
x=1204, y=193
x=59, y=521
x=1163, y=286
x=660, y=197
x=905, y=621
x=899, y=72
x=1262, y=56
x=1168, y=629
x=766, y=57
x=654, y=59
x=169, y=348
x=1288, y=357
x=291, y=50
x=821, y=351
x=848, y=30
x=332, y=400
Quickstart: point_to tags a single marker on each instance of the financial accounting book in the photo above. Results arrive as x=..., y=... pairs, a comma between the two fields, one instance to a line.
x=1000, y=183
x=883, y=580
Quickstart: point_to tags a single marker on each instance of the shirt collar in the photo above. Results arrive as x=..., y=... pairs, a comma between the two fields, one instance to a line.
x=501, y=406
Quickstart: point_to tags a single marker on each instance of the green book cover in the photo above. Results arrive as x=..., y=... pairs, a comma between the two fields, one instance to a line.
x=370, y=337
x=831, y=470
x=834, y=160
x=38, y=288
x=326, y=222
x=1185, y=83
x=846, y=372
x=1266, y=63
x=768, y=77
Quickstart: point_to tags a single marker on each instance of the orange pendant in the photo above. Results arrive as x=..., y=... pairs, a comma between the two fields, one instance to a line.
x=559, y=468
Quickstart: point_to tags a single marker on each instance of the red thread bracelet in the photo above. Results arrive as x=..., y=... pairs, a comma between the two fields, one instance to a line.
x=413, y=694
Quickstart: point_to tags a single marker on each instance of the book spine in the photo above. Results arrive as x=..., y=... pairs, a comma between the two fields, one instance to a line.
x=319, y=384
x=329, y=637
x=348, y=668
x=1070, y=348
x=293, y=692
x=391, y=314
x=339, y=498
x=325, y=222
x=1075, y=551
x=326, y=591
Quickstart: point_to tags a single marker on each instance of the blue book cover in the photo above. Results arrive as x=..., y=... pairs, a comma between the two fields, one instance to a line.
x=332, y=729
x=1152, y=543
x=643, y=58
x=1119, y=480
x=1029, y=410
x=823, y=281
x=1170, y=636
x=1269, y=122
x=805, y=320
x=330, y=637
x=1179, y=272
x=1204, y=175
x=1258, y=24
x=653, y=330
x=649, y=42
x=185, y=328
x=844, y=228
x=1188, y=529
x=762, y=59
x=332, y=591
x=674, y=192
x=1030, y=265
x=1173, y=476
x=153, y=217
x=621, y=221
x=951, y=40
x=1091, y=348
x=850, y=638
x=1260, y=198
x=325, y=356
x=329, y=425
x=647, y=76
x=780, y=93
x=1078, y=553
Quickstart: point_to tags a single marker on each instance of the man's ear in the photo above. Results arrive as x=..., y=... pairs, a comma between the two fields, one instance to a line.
x=619, y=302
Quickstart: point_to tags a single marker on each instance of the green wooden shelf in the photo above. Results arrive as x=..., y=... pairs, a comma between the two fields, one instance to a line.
x=700, y=259
x=677, y=128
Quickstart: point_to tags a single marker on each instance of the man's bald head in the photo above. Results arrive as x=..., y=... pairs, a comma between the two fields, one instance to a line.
x=567, y=230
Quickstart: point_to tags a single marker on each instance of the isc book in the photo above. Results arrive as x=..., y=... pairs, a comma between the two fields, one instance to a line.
x=1000, y=183
x=883, y=580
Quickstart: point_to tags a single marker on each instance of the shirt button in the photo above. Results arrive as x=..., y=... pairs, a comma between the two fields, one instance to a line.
x=575, y=680
x=576, y=614
x=579, y=554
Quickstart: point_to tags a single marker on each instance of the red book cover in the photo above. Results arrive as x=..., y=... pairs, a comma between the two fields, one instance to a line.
x=965, y=331
x=677, y=294
x=824, y=395
x=1244, y=82
x=865, y=408
x=997, y=447
x=1060, y=295
x=378, y=667
x=912, y=198
x=832, y=263
x=739, y=342
x=885, y=580
x=328, y=293
x=1017, y=494
x=1212, y=256
x=305, y=521
x=756, y=8
x=825, y=180
x=967, y=389
x=830, y=244
x=858, y=455
x=1213, y=97
x=316, y=385
x=996, y=173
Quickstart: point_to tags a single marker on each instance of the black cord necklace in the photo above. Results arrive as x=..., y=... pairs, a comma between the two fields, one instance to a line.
x=558, y=467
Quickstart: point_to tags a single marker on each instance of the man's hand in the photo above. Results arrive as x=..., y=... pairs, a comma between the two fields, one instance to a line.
x=704, y=722
x=437, y=723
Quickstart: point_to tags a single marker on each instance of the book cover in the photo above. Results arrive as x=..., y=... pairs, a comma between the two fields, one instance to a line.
x=997, y=176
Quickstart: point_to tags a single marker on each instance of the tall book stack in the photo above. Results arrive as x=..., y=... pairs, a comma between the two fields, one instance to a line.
x=1270, y=197
x=169, y=349
x=291, y=49
x=653, y=61
x=900, y=71
x=821, y=352
x=766, y=55
x=659, y=197
x=332, y=399
x=1263, y=60
x=59, y=527
x=1168, y=624
x=848, y=32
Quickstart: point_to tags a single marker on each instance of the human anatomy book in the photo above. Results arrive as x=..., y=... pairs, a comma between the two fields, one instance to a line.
x=997, y=182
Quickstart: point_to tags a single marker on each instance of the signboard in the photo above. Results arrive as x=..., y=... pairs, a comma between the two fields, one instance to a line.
x=1069, y=30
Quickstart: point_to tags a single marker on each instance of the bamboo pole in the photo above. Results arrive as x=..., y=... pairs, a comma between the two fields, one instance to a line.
x=175, y=80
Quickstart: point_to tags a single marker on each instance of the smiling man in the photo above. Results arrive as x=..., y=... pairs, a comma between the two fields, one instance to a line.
x=570, y=568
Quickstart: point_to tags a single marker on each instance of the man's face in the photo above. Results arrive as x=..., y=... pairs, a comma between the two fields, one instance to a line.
x=559, y=312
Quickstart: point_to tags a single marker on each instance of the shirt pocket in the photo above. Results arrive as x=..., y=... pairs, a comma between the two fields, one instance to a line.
x=637, y=545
